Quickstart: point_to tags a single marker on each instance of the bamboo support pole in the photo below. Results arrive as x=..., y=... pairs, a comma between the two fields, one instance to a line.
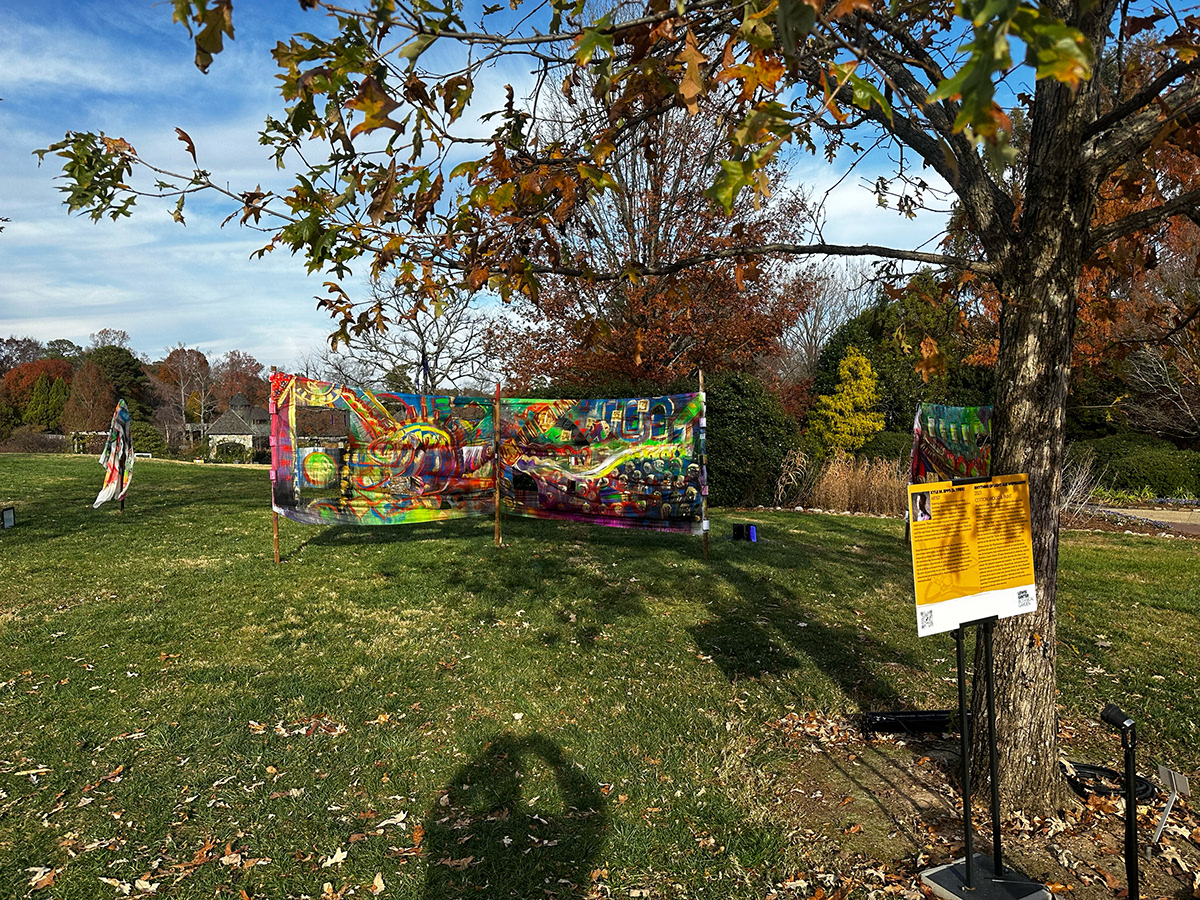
x=496, y=467
x=704, y=467
x=274, y=515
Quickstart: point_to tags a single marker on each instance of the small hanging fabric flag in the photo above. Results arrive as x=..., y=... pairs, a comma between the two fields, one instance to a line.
x=117, y=457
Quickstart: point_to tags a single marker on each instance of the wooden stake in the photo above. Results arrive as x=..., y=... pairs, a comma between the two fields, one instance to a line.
x=703, y=463
x=496, y=459
x=274, y=515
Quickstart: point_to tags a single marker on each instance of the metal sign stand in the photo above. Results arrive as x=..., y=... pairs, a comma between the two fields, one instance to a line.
x=976, y=876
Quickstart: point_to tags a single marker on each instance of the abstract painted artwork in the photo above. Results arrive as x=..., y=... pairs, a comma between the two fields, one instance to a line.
x=344, y=455
x=951, y=442
x=117, y=457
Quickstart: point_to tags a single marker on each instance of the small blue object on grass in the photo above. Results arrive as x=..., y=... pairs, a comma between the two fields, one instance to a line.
x=9, y=515
x=743, y=532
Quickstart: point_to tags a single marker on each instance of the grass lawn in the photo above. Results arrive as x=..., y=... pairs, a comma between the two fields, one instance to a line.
x=581, y=712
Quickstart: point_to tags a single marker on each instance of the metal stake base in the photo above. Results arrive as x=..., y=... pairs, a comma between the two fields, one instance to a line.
x=950, y=882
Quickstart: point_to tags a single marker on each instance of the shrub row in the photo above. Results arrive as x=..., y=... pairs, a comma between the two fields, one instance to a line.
x=1139, y=462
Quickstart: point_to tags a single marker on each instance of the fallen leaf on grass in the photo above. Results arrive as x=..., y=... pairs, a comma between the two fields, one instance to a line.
x=146, y=887
x=123, y=887
x=203, y=855
x=456, y=863
x=339, y=857
x=112, y=777
x=42, y=877
x=376, y=887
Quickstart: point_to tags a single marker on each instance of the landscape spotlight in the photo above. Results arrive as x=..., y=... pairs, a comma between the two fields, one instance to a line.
x=1112, y=715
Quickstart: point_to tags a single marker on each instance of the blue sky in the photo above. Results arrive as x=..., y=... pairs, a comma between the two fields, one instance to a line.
x=121, y=66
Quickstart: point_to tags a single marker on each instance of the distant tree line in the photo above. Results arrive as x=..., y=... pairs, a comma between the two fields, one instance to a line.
x=51, y=390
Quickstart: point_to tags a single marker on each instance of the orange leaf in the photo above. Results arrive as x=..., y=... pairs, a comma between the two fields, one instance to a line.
x=187, y=142
x=845, y=7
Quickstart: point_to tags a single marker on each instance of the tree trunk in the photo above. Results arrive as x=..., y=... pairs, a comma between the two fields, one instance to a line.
x=1040, y=285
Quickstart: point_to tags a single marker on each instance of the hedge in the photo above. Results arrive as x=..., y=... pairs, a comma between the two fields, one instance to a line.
x=889, y=445
x=1137, y=462
x=749, y=434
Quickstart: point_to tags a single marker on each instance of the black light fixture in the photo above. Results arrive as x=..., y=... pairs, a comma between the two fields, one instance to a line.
x=9, y=516
x=1113, y=716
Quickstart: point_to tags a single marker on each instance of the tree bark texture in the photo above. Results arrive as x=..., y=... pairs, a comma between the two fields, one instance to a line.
x=1039, y=281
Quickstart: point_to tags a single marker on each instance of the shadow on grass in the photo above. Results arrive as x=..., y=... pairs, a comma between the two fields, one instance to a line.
x=485, y=837
x=771, y=628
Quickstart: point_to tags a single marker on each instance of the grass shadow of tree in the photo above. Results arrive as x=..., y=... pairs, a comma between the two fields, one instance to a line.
x=770, y=628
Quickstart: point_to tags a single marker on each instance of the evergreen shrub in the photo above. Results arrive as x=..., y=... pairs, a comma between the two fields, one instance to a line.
x=889, y=445
x=749, y=434
x=147, y=439
x=1167, y=473
x=1108, y=450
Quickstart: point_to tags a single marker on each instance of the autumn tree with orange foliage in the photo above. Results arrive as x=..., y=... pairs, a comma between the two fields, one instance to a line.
x=725, y=315
x=1138, y=305
x=20, y=380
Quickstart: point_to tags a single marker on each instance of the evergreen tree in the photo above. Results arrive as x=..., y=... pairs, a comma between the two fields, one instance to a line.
x=46, y=402
x=129, y=381
x=847, y=418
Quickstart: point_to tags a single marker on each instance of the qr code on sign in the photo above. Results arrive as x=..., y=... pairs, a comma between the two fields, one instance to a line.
x=1023, y=599
x=926, y=618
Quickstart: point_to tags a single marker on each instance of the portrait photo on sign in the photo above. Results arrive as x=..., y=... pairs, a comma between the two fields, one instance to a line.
x=920, y=507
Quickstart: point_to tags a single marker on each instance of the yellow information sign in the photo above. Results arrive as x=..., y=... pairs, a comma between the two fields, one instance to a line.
x=972, y=551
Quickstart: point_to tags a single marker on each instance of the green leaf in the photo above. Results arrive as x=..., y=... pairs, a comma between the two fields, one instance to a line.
x=418, y=45
x=794, y=19
x=593, y=39
x=734, y=176
x=866, y=93
x=470, y=167
x=600, y=179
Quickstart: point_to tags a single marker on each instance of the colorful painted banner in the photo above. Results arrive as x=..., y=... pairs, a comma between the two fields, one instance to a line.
x=635, y=463
x=951, y=442
x=972, y=551
x=117, y=457
x=398, y=457
x=410, y=458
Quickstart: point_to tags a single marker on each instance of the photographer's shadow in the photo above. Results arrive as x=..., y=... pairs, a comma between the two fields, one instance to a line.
x=520, y=820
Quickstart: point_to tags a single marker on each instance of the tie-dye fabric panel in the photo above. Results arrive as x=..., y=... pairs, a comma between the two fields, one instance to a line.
x=117, y=457
x=951, y=442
